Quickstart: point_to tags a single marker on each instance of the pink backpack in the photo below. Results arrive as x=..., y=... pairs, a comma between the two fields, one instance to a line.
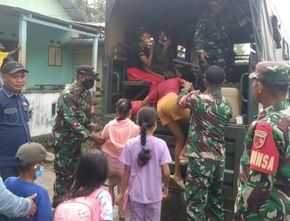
x=85, y=208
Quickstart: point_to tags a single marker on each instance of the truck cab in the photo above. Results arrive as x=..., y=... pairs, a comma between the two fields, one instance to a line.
x=262, y=35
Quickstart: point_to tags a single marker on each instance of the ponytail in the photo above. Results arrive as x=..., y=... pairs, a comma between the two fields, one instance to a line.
x=144, y=156
x=123, y=107
x=143, y=134
x=147, y=118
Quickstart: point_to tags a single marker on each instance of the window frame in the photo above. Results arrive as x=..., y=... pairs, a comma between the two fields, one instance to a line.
x=54, y=56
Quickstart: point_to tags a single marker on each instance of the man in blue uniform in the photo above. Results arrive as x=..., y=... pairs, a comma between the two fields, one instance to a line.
x=14, y=109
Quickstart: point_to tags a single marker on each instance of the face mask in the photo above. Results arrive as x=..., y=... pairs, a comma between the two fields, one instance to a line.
x=88, y=83
x=39, y=172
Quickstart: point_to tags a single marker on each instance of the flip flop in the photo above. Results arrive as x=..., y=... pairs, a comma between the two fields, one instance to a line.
x=179, y=182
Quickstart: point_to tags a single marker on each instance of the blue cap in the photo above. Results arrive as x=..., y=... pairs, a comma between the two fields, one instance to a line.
x=87, y=70
x=12, y=67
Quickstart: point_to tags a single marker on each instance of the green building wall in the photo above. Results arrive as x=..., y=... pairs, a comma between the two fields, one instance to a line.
x=39, y=38
x=40, y=73
x=46, y=7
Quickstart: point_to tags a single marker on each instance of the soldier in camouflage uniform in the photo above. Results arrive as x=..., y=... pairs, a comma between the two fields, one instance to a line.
x=264, y=181
x=212, y=43
x=73, y=125
x=206, y=147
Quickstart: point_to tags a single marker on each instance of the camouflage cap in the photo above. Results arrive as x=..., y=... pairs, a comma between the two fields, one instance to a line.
x=276, y=73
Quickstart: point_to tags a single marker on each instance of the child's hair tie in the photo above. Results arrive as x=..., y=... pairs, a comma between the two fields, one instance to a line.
x=143, y=147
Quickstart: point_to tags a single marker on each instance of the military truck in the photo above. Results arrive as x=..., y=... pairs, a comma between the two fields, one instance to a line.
x=262, y=32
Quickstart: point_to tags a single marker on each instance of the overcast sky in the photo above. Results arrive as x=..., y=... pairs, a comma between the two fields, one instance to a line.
x=283, y=8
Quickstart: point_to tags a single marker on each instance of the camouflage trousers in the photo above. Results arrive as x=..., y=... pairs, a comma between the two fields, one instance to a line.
x=66, y=158
x=204, y=188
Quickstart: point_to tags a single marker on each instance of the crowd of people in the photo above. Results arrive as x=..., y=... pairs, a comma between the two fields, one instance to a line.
x=132, y=158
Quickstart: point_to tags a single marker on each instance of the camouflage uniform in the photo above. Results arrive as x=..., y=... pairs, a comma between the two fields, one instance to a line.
x=211, y=36
x=206, y=149
x=73, y=124
x=264, y=182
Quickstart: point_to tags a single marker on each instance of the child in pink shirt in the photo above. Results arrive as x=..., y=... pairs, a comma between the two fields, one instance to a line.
x=116, y=133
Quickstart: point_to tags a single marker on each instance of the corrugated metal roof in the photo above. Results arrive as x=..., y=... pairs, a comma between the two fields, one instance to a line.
x=80, y=43
x=15, y=11
x=71, y=9
x=99, y=26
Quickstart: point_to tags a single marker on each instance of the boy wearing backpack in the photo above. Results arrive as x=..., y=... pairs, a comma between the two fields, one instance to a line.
x=30, y=158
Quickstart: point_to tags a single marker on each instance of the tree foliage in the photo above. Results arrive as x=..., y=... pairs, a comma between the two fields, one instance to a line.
x=239, y=49
x=92, y=11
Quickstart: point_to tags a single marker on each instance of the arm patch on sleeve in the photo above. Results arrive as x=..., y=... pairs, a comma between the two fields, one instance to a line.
x=264, y=155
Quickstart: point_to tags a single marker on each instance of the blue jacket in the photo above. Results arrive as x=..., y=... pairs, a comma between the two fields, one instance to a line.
x=11, y=205
x=14, y=131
